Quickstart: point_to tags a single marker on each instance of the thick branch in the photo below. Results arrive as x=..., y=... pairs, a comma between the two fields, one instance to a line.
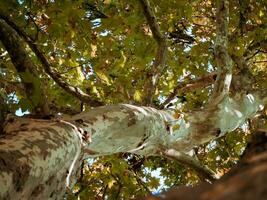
x=244, y=80
x=73, y=90
x=203, y=172
x=103, y=131
x=190, y=85
x=25, y=68
x=222, y=58
x=159, y=62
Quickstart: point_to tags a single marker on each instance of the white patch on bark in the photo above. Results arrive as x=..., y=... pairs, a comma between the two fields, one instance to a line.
x=232, y=114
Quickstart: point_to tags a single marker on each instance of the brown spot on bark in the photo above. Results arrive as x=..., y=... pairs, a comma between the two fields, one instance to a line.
x=90, y=152
x=11, y=120
x=23, y=124
x=143, y=141
x=132, y=119
x=80, y=121
x=20, y=176
x=214, y=77
x=51, y=195
x=91, y=120
x=105, y=117
x=37, y=190
x=93, y=131
x=50, y=180
x=24, y=128
x=87, y=137
x=218, y=132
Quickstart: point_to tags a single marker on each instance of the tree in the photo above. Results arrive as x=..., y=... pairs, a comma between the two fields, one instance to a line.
x=131, y=84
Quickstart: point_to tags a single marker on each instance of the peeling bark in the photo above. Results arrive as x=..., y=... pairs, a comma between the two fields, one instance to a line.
x=40, y=158
x=35, y=159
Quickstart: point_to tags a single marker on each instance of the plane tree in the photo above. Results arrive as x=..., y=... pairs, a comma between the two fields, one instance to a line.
x=121, y=99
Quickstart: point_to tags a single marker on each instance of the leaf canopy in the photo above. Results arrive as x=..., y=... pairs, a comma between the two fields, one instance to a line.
x=106, y=48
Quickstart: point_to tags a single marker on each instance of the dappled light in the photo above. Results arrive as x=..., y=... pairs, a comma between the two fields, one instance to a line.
x=142, y=99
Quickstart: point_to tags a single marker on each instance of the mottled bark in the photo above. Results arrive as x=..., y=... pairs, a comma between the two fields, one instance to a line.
x=36, y=157
x=39, y=158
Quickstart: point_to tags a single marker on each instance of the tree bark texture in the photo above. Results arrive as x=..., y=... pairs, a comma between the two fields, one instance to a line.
x=40, y=158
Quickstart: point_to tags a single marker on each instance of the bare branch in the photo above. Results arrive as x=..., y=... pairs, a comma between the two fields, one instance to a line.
x=222, y=58
x=73, y=90
x=204, y=172
x=190, y=85
x=159, y=62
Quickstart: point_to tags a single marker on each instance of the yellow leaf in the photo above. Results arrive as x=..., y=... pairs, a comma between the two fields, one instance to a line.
x=103, y=77
x=85, y=53
x=111, y=183
x=60, y=61
x=73, y=63
x=93, y=50
x=106, y=2
x=137, y=96
x=80, y=76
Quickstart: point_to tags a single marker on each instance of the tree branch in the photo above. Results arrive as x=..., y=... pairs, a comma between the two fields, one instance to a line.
x=159, y=62
x=255, y=45
x=203, y=172
x=25, y=68
x=222, y=58
x=244, y=80
x=190, y=85
x=73, y=90
x=246, y=181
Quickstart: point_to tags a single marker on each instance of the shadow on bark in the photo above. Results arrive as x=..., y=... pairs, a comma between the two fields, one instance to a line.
x=245, y=181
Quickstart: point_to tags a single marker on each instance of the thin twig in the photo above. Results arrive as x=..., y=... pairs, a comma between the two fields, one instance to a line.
x=255, y=45
x=36, y=26
x=140, y=182
x=260, y=61
x=253, y=55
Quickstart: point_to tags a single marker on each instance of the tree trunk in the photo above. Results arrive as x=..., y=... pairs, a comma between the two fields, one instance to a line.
x=40, y=158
